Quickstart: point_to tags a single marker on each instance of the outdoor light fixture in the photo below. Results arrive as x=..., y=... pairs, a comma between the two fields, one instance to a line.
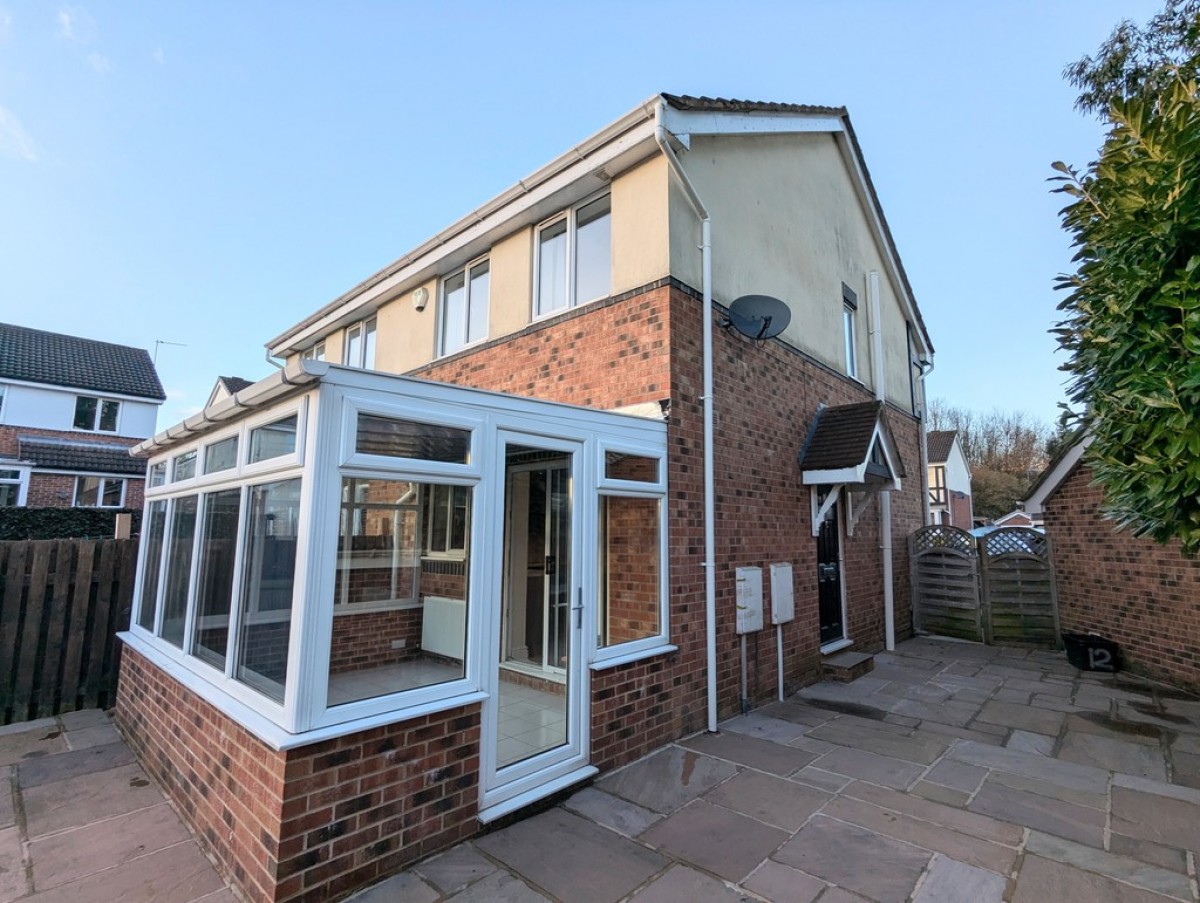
x=420, y=298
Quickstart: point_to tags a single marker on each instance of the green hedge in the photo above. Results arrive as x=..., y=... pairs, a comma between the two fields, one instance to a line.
x=63, y=523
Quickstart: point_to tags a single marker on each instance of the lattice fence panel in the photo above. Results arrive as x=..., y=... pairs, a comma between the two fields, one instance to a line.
x=945, y=582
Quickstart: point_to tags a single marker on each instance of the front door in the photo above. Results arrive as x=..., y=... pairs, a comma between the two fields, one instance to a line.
x=536, y=718
x=829, y=580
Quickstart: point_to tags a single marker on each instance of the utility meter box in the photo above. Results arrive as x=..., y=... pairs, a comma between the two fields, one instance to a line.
x=783, y=598
x=749, y=600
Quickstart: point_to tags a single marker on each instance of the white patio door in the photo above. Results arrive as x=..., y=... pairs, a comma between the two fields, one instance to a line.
x=535, y=720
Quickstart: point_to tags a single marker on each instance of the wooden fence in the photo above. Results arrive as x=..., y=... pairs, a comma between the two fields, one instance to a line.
x=62, y=602
x=998, y=588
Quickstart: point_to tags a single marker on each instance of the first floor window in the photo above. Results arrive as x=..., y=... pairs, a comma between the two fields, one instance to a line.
x=99, y=492
x=315, y=353
x=465, y=307
x=96, y=414
x=574, y=257
x=360, y=345
x=849, y=329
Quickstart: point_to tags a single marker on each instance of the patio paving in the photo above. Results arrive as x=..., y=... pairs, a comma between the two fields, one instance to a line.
x=952, y=772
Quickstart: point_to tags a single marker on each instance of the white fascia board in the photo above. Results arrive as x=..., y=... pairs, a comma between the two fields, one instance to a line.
x=610, y=151
x=855, y=165
x=841, y=475
x=81, y=390
x=1046, y=487
x=682, y=124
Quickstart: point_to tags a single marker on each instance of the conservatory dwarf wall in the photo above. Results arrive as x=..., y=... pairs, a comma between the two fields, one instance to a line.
x=334, y=550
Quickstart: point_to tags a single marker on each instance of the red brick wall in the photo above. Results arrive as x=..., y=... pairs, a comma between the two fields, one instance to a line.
x=57, y=490
x=1143, y=595
x=364, y=640
x=312, y=823
x=631, y=568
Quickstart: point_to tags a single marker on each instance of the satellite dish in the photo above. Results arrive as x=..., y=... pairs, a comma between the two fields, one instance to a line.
x=759, y=316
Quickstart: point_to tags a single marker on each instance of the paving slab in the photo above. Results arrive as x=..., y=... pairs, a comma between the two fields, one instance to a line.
x=955, y=712
x=608, y=865
x=924, y=749
x=764, y=727
x=87, y=798
x=1054, y=791
x=764, y=755
x=1106, y=726
x=12, y=868
x=1026, y=741
x=820, y=779
x=1065, y=774
x=85, y=719
x=1114, y=755
x=928, y=836
x=1186, y=769
x=86, y=738
x=407, y=887
x=1123, y=868
x=1154, y=813
x=667, y=779
x=989, y=734
x=177, y=874
x=680, y=884
x=776, y=801
x=780, y=883
x=1021, y=716
x=1041, y=880
x=719, y=840
x=611, y=811
x=69, y=855
x=1145, y=851
x=8, y=814
x=939, y=794
x=797, y=712
x=957, y=775
x=456, y=868
x=66, y=765
x=1040, y=812
x=851, y=857
x=500, y=887
x=867, y=766
x=950, y=881
x=29, y=744
x=970, y=823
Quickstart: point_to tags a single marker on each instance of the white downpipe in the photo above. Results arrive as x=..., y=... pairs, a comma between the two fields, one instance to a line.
x=885, y=498
x=710, y=541
x=926, y=368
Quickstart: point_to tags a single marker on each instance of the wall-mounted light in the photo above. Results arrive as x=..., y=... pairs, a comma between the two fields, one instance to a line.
x=420, y=298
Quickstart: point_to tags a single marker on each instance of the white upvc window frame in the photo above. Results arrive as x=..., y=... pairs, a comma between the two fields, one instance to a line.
x=850, y=331
x=444, y=340
x=21, y=480
x=314, y=353
x=367, y=347
x=569, y=216
x=98, y=415
x=632, y=650
x=104, y=479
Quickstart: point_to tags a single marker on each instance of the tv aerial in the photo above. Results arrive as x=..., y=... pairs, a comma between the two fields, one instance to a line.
x=759, y=317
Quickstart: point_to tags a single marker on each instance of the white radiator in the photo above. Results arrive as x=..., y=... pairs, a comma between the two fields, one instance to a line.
x=443, y=627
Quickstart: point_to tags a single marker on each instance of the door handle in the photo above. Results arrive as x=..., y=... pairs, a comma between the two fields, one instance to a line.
x=578, y=609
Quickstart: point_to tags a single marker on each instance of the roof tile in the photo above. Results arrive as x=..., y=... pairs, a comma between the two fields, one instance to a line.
x=35, y=356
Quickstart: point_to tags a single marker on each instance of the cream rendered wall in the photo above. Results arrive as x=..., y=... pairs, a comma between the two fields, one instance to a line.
x=405, y=337
x=510, y=288
x=786, y=221
x=640, y=225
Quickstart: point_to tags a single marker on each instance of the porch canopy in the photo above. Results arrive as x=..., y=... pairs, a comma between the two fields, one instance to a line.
x=849, y=449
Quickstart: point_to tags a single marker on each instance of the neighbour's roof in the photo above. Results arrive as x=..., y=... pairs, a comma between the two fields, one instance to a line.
x=79, y=457
x=840, y=437
x=940, y=442
x=234, y=384
x=35, y=356
x=1070, y=453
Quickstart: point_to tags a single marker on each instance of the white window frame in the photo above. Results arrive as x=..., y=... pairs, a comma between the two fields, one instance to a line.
x=101, y=401
x=104, y=479
x=3, y=389
x=461, y=341
x=366, y=351
x=21, y=480
x=450, y=553
x=850, y=330
x=569, y=215
x=315, y=353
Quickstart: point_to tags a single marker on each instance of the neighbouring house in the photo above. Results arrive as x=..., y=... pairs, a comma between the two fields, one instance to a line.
x=1140, y=593
x=70, y=408
x=949, y=481
x=494, y=526
x=1019, y=518
x=226, y=387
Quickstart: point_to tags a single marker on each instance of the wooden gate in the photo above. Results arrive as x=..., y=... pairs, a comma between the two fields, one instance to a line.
x=998, y=588
x=62, y=602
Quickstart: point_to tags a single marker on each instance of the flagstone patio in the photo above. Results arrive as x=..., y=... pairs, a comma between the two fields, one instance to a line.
x=952, y=772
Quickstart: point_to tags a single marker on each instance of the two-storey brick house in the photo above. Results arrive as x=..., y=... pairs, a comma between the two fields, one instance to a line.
x=70, y=408
x=488, y=530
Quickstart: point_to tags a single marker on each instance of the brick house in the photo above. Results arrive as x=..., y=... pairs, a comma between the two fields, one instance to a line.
x=1143, y=595
x=70, y=408
x=496, y=548
x=949, y=481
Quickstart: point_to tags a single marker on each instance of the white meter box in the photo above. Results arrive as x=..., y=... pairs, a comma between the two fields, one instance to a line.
x=749, y=600
x=783, y=598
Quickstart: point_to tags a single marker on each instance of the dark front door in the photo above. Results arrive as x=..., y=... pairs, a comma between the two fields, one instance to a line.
x=829, y=580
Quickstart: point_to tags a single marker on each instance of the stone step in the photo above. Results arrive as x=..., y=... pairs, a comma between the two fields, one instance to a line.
x=847, y=666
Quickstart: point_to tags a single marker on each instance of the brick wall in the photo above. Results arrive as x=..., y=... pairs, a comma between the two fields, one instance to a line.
x=57, y=490
x=1143, y=595
x=306, y=824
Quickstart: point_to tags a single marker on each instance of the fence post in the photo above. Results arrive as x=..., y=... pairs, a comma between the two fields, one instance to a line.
x=124, y=525
x=985, y=606
x=913, y=585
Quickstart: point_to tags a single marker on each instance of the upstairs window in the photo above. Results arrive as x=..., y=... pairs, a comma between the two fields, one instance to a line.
x=849, y=315
x=574, y=257
x=315, y=353
x=360, y=345
x=96, y=415
x=465, y=307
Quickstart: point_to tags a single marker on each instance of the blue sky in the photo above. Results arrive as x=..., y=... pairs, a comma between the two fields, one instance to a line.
x=210, y=173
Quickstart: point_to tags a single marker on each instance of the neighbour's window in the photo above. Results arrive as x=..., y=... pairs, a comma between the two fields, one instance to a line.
x=360, y=345
x=465, y=307
x=273, y=440
x=849, y=313
x=630, y=570
x=399, y=626
x=11, y=481
x=315, y=353
x=395, y=438
x=574, y=257
x=99, y=492
x=446, y=519
x=96, y=414
x=1, y=403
